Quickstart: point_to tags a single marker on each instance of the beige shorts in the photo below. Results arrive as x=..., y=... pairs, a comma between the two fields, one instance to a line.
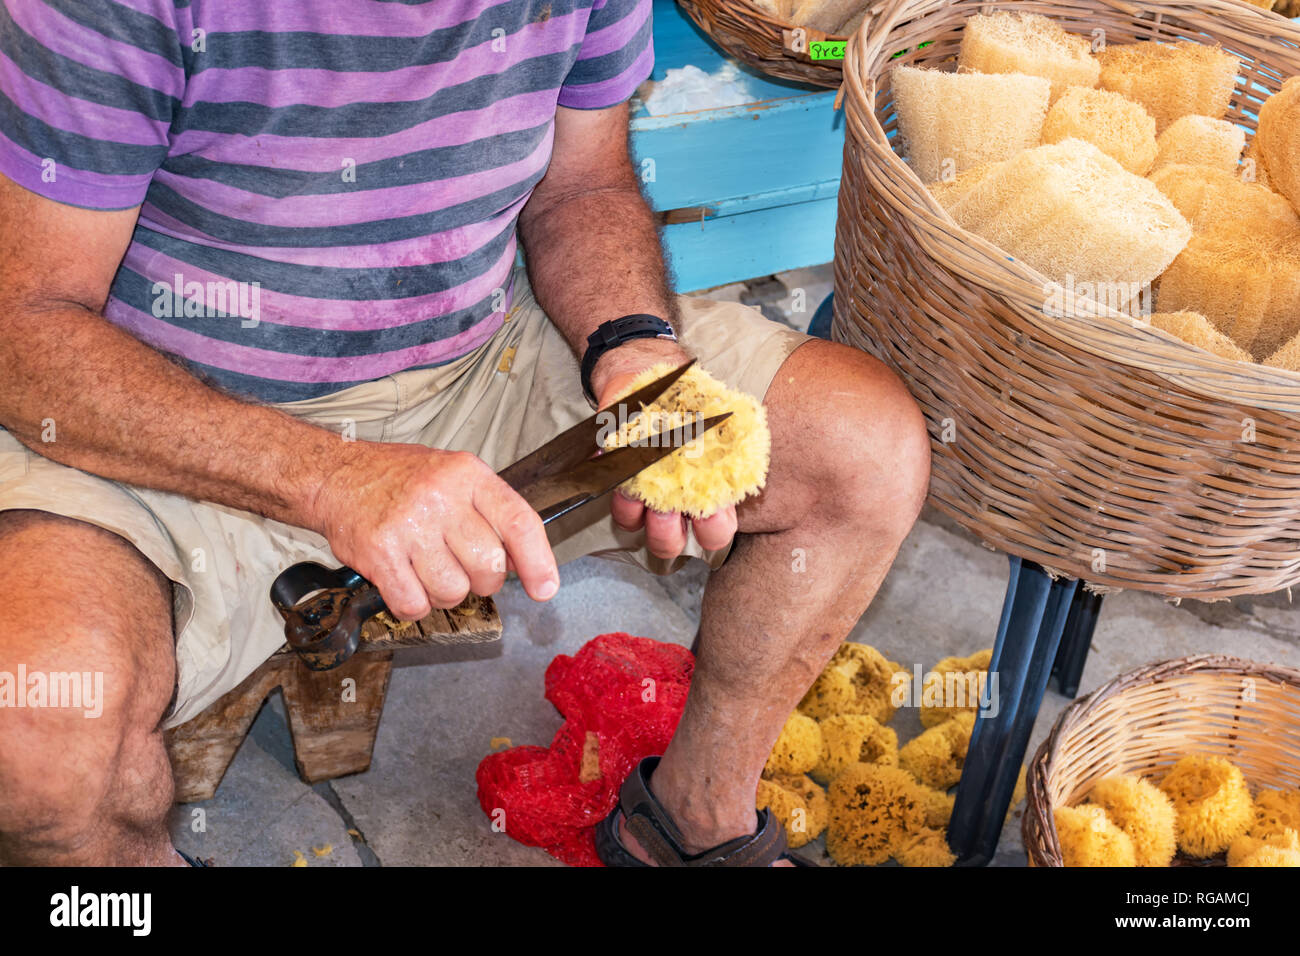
x=499, y=402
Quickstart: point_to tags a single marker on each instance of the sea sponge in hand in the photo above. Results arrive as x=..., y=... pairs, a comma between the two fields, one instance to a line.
x=874, y=809
x=857, y=680
x=1142, y=812
x=798, y=749
x=1088, y=838
x=968, y=674
x=721, y=467
x=1195, y=329
x=1171, y=79
x=1278, y=139
x=1201, y=141
x=1212, y=803
x=1027, y=43
x=936, y=756
x=950, y=122
x=1117, y=126
x=854, y=738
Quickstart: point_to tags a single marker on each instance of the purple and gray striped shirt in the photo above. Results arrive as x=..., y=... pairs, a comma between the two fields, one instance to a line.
x=328, y=188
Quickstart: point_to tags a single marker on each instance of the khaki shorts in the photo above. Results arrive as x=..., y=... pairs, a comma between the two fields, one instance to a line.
x=515, y=392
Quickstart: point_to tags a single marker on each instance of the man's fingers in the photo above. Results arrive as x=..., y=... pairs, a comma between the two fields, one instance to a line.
x=520, y=530
x=444, y=580
x=403, y=592
x=665, y=534
x=716, y=531
x=475, y=545
x=628, y=513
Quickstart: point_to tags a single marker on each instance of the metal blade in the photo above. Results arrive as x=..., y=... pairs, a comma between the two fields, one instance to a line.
x=577, y=444
x=557, y=495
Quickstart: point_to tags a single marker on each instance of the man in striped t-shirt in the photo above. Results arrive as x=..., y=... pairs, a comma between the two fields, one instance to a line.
x=259, y=304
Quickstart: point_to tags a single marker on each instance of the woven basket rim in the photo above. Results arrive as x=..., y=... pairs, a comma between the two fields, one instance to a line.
x=1038, y=809
x=757, y=39
x=1098, y=330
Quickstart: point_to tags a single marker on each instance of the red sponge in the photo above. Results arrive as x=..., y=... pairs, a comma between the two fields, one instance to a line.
x=626, y=691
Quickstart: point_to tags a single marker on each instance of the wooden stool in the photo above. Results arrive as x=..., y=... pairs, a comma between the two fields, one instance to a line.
x=333, y=723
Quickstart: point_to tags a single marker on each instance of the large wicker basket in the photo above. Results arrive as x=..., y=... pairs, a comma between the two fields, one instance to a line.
x=1144, y=721
x=765, y=43
x=1102, y=449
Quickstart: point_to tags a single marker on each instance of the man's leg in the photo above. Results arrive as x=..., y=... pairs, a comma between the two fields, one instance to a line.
x=849, y=471
x=81, y=790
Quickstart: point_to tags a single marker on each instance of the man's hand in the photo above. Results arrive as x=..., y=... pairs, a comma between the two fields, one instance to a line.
x=665, y=532
x=427, y=527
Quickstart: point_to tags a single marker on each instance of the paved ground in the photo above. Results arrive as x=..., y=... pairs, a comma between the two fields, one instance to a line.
x=416, y=805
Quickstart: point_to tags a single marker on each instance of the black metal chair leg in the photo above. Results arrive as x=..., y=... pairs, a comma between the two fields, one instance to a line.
x=1033, y=616
x=1076, y=641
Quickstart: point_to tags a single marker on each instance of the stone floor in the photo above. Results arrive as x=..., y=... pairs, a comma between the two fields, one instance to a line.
x=416, y=805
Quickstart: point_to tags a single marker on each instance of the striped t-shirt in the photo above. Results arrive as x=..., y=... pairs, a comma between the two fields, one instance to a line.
x=328, y=188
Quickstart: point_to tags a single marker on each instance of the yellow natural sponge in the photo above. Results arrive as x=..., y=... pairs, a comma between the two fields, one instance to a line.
x=1213, y=201
x=1245, y=283
x=958, y=686
x=722, y=467
x=936, y=756
x=926, y=847
x=938, y=807
x=1088, y=838
x=1027, y=43
x=1272, y=856
x=1276, y=811
x=1195, y=329
x=1069, y=210
x=1201, y=141
x=1212, y=803
x=798, y=749
x=857, y=680
x=1143, y=812
x=800, y=805
x=1278, y=139
x=873, y=810
x=854, y=738
x=1171, y=79
x=1117, y=126
x=950, y=122
x=1245, y=847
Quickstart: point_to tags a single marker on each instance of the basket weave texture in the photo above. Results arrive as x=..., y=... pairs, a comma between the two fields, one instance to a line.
x=1100, y=448
x=1143, y=722
x=763, y=42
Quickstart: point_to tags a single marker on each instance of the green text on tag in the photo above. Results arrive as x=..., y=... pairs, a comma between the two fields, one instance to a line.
x=826, y=50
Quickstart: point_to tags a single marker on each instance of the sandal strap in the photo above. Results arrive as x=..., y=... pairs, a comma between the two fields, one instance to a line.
x=658, y=833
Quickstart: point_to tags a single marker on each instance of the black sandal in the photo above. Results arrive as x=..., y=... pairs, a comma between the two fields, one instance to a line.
x=658, y=834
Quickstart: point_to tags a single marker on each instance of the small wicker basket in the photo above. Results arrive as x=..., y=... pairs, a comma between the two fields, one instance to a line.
x=765, y=43
x=1144, y=721
x=1099, y=448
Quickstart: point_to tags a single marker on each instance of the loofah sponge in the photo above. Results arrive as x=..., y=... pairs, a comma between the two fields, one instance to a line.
x=1088, y=838
x=1195, y=329
x=1212, y=803
x=857, y=680
x=950, y=122
x=1171, y=79
x=1278, y=139
x=1213, y=201
x=798, y=749
x=1118, y=127
x=800, y=805
x=824, y=15
x=1027, y=43
x=722, y=467
x=933, y=714
x=1069, y=210
x=1252, y=166
x=1201, y=141
x=1247, y=285
x=873, y=810
x=936, y=756
x=854, y=738
x=1245, y=847
x=1275, y=812
x=1141, y=811
x=926, y=847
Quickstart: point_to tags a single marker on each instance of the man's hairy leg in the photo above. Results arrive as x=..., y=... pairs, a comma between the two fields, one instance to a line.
x=79, y=790
x=850, y=465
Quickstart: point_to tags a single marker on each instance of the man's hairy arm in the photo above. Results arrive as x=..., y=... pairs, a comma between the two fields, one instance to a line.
x=425, y=525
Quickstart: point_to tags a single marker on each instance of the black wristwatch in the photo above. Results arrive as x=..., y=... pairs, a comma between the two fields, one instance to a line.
x=611, y=334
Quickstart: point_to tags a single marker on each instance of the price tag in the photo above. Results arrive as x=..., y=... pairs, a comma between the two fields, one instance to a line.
x=826, y=50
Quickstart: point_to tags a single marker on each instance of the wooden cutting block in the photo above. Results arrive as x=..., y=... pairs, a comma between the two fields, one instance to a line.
x=333, y=723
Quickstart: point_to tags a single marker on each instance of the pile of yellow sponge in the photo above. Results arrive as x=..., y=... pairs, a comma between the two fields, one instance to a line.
x=1201, y=807
x=881, y=801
